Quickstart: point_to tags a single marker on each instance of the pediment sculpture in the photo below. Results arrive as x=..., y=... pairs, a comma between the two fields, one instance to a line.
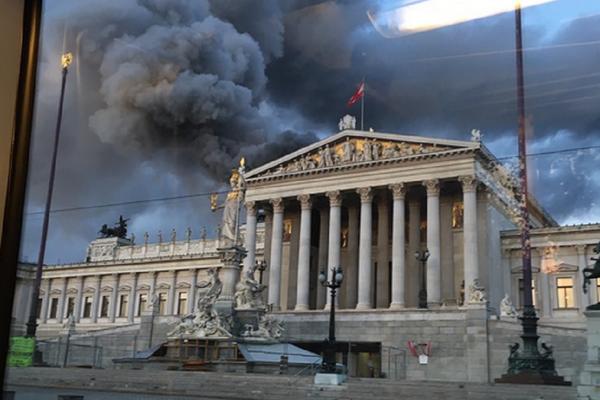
x=354, y=150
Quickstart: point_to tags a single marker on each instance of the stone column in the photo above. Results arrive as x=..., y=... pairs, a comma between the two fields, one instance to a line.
x=79, y=299
x=113, y=301
x=382, y=279
x=470, y=245
x=250, y=240
x=414, y=244
x=335, y=227
x=46, y=301
x=63, y=300
x=132, y=295
x=398, y=250
x=276, y=250
x=364, y=251
x=433, y=242
x=322, y=257
x=351, y=272
x=193, y=289
x=172, y=309
x=96, y=302
x=303, y=281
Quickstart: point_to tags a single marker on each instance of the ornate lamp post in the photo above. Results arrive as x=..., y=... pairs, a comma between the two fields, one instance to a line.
x=422, y=257
x=528, y=365
x=261, y=266
x=337, y=276
x=66, y=60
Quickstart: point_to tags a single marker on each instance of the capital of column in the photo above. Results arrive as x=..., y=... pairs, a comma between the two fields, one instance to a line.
x=398, y=191
x=366, y=194
x=305, y=201
x=580, y=248
x=251, y=208
x=432, y=186
x=277, y=205
x=335, y=198
x=468, y=182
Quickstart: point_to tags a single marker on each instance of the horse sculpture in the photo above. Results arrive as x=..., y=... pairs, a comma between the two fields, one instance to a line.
x=593, y=272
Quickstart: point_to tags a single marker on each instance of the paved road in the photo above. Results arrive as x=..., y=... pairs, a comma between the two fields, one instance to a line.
x=32, y=393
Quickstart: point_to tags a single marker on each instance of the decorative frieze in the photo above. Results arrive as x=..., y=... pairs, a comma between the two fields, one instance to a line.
x=354, y=150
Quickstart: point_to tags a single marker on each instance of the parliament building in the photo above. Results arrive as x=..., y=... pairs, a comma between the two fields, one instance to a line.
x=366, y=202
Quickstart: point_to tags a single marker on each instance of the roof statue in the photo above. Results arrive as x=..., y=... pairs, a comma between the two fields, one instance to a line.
x=347, y=122
x=475, y=135
x=119, y=230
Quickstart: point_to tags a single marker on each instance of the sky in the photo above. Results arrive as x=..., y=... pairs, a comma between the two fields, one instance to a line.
x=164, y=97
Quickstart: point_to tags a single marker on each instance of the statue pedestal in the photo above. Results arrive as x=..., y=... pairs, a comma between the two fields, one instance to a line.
x=231, y=258
x=589, y=379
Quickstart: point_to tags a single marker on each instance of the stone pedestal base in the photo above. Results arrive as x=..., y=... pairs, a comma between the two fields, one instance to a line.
x=589, y=379
x=330, y=379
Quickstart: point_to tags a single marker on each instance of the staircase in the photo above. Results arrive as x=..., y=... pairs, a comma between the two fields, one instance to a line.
x=212, y=386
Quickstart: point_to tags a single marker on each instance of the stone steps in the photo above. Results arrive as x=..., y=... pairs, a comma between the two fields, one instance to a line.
x=207, y=385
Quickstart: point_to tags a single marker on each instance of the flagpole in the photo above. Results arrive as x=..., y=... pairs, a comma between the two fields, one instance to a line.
x=362, y=107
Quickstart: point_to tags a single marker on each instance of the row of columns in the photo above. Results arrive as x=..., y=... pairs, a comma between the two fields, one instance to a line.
x=330, y=234
x=112, y=314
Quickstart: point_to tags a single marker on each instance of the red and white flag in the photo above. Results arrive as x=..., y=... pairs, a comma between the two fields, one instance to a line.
x=360, y=92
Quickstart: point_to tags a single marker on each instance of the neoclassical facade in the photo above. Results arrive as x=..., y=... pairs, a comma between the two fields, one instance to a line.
x=365, y=201
x=368, y=202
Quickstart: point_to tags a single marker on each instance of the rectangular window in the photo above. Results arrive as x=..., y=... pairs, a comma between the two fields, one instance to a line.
x=53, y=307
x=142, y=303
x=162, y=303
x=533, y=293
x=564, y=292
x=87, y=307
x=123, y=301
x=182, y=303
x=70, y=306
x=104, y=306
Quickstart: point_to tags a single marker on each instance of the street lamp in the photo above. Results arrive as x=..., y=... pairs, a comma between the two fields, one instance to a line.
x=422, y=258
x=66, y=60
x=527, y=365
x=329, y=363
x=261, y=266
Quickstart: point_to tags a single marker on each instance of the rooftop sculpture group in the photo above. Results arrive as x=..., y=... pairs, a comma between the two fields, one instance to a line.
x=119, y=230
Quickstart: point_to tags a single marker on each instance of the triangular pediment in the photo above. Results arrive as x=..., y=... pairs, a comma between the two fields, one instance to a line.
x=349, y=148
